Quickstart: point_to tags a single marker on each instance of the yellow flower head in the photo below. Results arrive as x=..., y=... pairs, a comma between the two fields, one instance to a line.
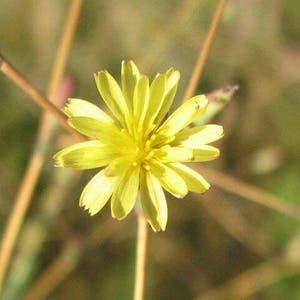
x=140, y=150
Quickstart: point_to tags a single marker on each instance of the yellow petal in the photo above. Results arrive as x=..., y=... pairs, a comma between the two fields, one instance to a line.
x=198, y=136
x=82, y=108
x=153, y=202
x=120, y=164
x=173, y=77
x=205, y=153
x=129, y=77
x=156, y=98
x=169, y=179
x=183, y=116
x=107, y=133
x=194, y=181
x=112, y=95
x=124, y=196
x=140, y=101
x=97, y=192
x=168, y=154
x=85, y=155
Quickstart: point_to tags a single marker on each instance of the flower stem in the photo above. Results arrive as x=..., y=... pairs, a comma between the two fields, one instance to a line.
x=142, y=223
x=205, y=50
x=141, y=254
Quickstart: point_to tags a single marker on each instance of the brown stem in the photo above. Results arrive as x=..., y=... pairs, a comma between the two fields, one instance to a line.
x=141, y=254
x=248, y=191
x=37, y=159
x=205, y=50
x=64, y=48
x=37, y=96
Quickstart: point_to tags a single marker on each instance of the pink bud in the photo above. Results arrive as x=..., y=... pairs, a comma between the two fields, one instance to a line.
x=65, y=90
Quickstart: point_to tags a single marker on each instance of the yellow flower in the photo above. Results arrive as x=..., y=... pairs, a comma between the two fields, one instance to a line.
x=140, y=150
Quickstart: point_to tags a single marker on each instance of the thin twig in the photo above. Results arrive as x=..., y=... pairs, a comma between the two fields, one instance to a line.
x=248, y=191
x=141, y=254
x=64, y=48
x=16, y=218
x=205, y=50
x=24, y=194
x=36, y=95
x=37, y=159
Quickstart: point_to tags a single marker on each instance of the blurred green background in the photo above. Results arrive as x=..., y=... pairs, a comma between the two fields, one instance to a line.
x=209, y=239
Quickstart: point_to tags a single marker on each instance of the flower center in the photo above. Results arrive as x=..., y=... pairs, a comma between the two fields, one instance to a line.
x=143, y=153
